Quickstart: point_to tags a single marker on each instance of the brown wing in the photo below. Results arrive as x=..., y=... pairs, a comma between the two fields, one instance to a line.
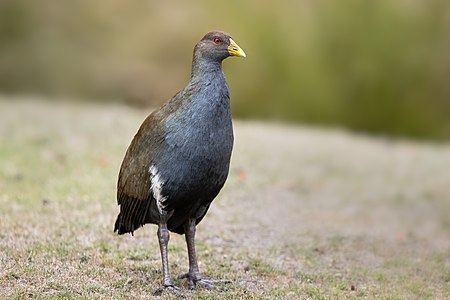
x=134, y=186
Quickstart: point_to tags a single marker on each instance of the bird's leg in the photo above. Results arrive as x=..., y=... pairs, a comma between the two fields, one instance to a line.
x=163, y=238
x=194, y=273
x=194, y=276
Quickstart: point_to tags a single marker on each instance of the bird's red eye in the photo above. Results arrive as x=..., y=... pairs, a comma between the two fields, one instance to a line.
x=217, y=41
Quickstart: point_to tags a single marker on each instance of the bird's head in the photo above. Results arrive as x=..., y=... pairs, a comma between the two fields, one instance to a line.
x=217, y=46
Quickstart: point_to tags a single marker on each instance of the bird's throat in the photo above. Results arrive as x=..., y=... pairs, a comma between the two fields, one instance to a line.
x=203, y=68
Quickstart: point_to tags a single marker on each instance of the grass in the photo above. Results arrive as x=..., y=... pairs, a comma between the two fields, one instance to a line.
x=305, y=214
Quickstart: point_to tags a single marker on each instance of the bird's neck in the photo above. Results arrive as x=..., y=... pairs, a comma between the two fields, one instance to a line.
x=203, y=68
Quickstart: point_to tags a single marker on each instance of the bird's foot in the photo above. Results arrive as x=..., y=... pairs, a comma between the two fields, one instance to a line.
x=207, y=284
x=169, y=288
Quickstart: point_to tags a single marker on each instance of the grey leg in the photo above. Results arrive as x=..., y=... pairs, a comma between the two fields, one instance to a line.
x=194, y=276
x=194, y=273
x=163, y=238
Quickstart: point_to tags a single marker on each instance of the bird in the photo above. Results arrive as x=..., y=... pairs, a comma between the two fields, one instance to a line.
x=179, y=159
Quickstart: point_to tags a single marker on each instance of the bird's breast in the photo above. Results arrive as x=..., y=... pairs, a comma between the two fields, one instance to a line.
x=198, y=146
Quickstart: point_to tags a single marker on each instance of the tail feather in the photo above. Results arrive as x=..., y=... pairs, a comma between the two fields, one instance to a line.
x=133, y=215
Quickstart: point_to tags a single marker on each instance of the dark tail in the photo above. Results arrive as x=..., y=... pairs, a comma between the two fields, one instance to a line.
x=133, y=215
x=119, y=226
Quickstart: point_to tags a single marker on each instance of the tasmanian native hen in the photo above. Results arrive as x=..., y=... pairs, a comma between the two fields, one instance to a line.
x=179, y=159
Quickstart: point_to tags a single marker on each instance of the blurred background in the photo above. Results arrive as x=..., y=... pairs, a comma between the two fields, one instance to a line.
x=379, y=67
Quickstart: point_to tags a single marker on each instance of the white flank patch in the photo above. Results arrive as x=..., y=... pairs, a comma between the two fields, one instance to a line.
x=156, y=187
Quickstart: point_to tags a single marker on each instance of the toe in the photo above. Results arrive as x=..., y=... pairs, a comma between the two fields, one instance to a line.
x=195, y=280
x=209, y=284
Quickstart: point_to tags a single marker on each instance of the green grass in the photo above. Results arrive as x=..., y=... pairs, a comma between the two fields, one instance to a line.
x=284, y=227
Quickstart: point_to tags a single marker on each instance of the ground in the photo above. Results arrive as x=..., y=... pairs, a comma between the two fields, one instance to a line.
x=307, y=213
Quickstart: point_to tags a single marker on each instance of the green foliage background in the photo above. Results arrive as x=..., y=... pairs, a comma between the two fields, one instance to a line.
x=375, y=66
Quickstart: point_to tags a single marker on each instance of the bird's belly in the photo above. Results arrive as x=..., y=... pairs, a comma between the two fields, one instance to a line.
x=196, y=170
x=205, y=165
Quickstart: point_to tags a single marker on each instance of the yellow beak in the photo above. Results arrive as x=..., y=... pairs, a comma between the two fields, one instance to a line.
x=235, y=50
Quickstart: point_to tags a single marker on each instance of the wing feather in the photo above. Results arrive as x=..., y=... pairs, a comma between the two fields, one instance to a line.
x=134, y=193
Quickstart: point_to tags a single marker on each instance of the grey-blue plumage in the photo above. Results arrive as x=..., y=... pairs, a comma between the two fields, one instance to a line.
x=195, y=154
x=179, y=159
